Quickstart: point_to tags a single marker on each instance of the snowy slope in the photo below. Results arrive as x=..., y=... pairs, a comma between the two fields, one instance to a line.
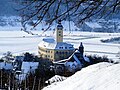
x=101, y=76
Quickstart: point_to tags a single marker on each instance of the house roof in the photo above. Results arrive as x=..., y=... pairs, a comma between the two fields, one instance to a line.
x=76, y=59
x=50, y=43
x=6, y=66
x=26, y=68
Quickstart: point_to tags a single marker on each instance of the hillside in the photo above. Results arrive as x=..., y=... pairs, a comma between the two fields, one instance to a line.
x=101, y=76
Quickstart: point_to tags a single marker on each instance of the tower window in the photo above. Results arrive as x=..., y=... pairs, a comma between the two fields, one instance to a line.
x=56, y=52
x=59, y=34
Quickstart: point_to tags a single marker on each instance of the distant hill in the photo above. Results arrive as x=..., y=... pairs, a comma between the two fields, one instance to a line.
x=7, y=8
x=10, y=17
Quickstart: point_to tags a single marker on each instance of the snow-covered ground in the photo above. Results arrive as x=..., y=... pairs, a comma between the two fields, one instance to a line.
x=101, y=76
x=19, y=42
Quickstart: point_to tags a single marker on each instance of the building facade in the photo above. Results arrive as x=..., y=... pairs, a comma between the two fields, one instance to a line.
x=55, y=49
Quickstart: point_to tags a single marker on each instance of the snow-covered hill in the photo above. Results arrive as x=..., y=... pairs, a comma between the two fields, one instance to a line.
x=110, y=26
x=101, y=76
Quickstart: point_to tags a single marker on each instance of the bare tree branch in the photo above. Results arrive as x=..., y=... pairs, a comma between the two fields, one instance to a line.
x=52, y=10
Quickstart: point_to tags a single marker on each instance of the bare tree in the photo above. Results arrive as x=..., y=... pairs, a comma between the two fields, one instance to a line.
x=76, y=10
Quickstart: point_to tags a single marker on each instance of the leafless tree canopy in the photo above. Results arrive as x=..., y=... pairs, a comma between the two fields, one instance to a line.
x=76, y=10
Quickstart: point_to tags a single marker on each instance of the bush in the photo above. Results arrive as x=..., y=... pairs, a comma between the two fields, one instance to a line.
x=1, y=60
x=96, y=59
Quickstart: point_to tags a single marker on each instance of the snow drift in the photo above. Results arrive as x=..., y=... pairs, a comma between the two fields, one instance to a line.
x=101, y=76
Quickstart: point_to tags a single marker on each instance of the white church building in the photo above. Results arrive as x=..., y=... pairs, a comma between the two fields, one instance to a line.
x=54, y=48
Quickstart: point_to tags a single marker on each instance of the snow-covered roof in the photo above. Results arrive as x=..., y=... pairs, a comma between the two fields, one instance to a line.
x=56, y=78
x=93, y=25
x=118, y=27
x=7, y=66
x=50, y=43
x=72, y=66
x=27, y=67
x=86, y=59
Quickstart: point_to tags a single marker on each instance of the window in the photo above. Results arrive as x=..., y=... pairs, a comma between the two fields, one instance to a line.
x=56, y=52
x=66, y=53
x=59, y=34
x=65, y=47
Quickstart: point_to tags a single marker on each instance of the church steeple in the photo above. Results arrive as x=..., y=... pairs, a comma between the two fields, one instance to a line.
x=59, y=32
x=81, y=48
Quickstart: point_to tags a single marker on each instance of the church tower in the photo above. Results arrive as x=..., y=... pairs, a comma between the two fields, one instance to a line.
x=59, y=32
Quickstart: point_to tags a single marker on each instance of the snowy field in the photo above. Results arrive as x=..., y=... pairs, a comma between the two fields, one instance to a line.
x=19, y=42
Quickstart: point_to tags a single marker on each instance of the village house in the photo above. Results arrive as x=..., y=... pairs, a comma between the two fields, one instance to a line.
x=55, y=49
